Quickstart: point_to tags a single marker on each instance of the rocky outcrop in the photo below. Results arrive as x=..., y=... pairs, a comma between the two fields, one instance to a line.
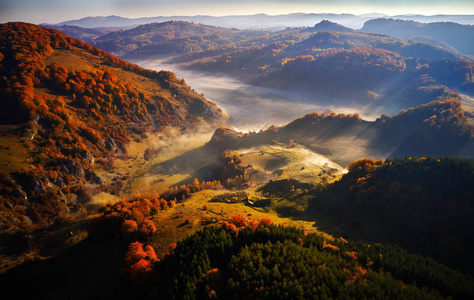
x=74, y=168
x=88, y=156
x=96, y=178
x=111, y=145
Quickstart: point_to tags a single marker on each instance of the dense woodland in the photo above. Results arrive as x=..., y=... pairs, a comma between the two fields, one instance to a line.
x=423, y=204
x=339, y=62
x=247, y=260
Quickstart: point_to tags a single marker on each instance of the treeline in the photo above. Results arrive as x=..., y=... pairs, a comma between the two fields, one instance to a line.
x=182, y=192
x=423, y=204
x=245, y=259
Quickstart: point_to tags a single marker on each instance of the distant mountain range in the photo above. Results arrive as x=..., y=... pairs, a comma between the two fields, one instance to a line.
x=454, y=33
x=262, y=21
x=444, y=34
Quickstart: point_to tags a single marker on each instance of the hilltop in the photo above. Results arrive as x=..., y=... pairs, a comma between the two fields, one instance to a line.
x=171, y=38
x=326, y=25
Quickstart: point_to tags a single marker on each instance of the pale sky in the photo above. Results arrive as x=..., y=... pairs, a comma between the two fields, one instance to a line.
x=54, y=11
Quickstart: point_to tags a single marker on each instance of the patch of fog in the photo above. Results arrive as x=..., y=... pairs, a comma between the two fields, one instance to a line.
x=248, y=150
x=102, y=199
x=252, y=108
x=172, y=142
x=177, y=157
x=318, y=160
x=467, y=102
x=307, y=156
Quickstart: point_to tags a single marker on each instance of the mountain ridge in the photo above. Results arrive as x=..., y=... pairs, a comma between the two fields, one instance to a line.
x=456, y=35
x=349, y=20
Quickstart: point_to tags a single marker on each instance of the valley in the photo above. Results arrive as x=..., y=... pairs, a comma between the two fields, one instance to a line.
x=252, y=108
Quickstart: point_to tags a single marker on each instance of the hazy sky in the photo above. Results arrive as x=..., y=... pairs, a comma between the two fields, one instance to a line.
x=53, y=11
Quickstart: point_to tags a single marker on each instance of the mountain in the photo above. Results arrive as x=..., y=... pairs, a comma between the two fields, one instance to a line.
x=258, y=21
x=68, y=113
x=173, y=37
x=446, y=34
x=108, y=191
x=342, y=65
x=282, y=47
x=105, y=21
x=437, y=128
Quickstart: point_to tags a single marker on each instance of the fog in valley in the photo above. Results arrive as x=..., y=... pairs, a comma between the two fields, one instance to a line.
x=252, y=108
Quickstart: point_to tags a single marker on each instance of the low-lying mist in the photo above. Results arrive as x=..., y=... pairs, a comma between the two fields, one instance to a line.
x=252, y=108
x=177, y=158
x=172, y=142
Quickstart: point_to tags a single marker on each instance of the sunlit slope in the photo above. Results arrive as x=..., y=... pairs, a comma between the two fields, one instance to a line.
x=437, y=128
x=68, y=111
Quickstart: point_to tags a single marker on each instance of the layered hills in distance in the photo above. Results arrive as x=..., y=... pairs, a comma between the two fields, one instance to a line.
x=119, y=181
x=449, y=35
x=335, y=63
x=262, y=21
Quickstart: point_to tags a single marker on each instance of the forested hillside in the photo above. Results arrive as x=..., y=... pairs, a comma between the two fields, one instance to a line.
x=344, y=66
x=332, y=61
x=172, y=38
x=423, y=204
x=68, y=110
x=437, y=128
x=245, y=260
